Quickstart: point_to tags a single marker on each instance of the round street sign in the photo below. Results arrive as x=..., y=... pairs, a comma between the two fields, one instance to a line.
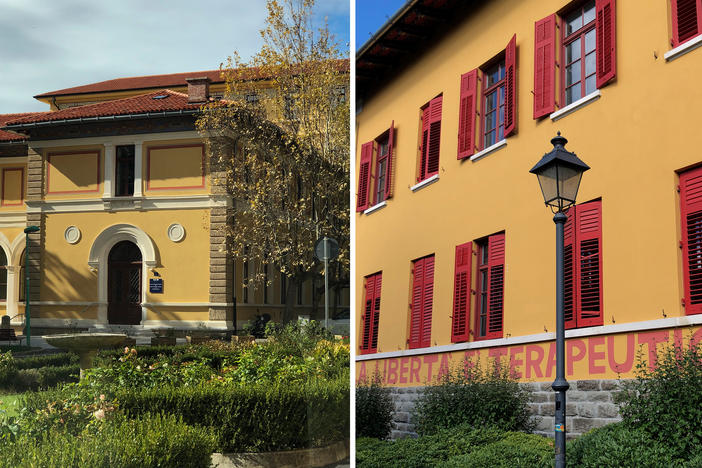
x=326, y=248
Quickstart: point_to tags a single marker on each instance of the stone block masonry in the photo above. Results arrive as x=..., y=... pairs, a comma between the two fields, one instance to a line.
x=590, y=404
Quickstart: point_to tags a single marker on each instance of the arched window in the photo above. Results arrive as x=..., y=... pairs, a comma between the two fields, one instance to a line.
x=3, y=275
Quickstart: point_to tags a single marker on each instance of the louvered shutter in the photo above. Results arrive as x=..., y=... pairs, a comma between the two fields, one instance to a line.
x=364, y=177
x=376, y=313
x=544, y=66
x=687, y=20
x=496, y=281
x=424, y=144
x=606, y=41
x=588, y=253
x=417, y=303
x=569, y=269
x=427, y=301
x=466, y=114
x=388, y=171
x=691, y=211
x=434, y=142
x=511, y=86
x=367, y=317
x=461, y=293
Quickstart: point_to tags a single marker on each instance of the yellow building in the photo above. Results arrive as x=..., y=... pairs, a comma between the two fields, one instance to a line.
x=455, y=250
x=130, y=216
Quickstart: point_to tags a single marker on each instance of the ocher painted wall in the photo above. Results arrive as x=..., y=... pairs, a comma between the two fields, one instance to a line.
x=644, y=128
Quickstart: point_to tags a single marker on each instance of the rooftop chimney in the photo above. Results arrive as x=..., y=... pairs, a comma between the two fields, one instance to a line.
x=198, y=90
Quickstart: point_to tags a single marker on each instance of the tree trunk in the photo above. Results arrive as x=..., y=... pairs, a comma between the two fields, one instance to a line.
x=290, y=299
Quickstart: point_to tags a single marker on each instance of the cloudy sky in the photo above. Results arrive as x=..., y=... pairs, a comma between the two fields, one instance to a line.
x=46, y=45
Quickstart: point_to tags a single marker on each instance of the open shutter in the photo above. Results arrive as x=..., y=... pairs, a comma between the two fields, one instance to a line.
x=606, y=41
x=496, y=282
x=364, y=176
x=569, y=269
x=691, y=211
x=588, y=253
x=544, y=66
x=466, y=114
x=687, y=20
x=388, y=170
x=417, y=303
x=376, y=313
x=435, y=107
x=461, y=293
x=367, y=317
x=424, y=144
x=510, y=86
x=427, y=301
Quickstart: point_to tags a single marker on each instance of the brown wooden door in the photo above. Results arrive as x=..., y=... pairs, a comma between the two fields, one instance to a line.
x=124, y=284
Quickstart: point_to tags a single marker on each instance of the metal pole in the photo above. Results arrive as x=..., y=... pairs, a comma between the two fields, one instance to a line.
x=560, y=385
x=27, y=316
x=326, y=283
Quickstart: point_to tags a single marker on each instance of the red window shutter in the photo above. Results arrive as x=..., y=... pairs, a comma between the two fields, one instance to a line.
x=461, y=293
x=466, y=115
x=417, y=303
x=606, y=41
x=544, y=66
x=691, y=211
x=388, y=170
x=434, y=140
x=511, y=86
x=364, y=177
x=588, y=253
x=424, y=143
x=570, y=273
x=687, y=20
x=367, y=317
x=427, y=301
x=496, y=282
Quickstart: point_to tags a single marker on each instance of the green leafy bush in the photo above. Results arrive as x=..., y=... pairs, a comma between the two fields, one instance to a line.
x=475, y=396
x=374, y=409
x=255, y=417
x=618, y=445
x=162, y=441
x=8, y=369
x=43, y=377
x=666, y=403
x=459, y=446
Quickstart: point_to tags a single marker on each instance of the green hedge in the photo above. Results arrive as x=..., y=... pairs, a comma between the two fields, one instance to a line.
x=374, y=409
x=44, y=377
x=152, y=441
x=255, y=418
x=457, y=447
x=35, y=362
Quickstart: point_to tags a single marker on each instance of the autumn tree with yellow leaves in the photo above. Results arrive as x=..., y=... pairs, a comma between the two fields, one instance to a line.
x=280, y=141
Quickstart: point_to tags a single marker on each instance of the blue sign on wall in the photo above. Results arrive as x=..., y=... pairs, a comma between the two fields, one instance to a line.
x=156, y=285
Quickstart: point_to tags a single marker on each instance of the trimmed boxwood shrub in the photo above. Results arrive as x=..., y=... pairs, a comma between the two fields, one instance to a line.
x=162, y=441
x=35, y=362
x=255, y=417
x=476, y=396
x=8, y=369
x=374, y=409
x=457, y=447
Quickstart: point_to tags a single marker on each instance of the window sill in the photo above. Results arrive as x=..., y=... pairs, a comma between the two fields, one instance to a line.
x=489, y=150
x=572, y=107
x=375, y=207
x=425, y=182
x=683, y=48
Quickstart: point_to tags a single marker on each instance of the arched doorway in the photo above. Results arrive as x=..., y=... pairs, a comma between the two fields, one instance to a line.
x=124, y=284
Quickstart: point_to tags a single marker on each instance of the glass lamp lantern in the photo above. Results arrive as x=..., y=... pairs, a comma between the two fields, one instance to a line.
x=559, y=173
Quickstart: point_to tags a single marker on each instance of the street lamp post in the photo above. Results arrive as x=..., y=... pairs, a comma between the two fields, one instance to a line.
x=27, y=316
x=559, y=173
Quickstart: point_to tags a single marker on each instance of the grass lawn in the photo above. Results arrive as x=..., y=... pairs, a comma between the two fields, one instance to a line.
x=9, y=404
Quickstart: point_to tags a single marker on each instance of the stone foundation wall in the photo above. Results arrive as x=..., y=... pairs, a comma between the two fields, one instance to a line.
x=589, y=404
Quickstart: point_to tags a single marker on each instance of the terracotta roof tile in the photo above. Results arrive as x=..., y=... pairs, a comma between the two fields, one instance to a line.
x=163, y=100
x=12, y=136
x=137, y=82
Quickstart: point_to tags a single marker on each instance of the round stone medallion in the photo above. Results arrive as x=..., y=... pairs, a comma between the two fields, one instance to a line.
x=176, y=232
x=72, y=235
